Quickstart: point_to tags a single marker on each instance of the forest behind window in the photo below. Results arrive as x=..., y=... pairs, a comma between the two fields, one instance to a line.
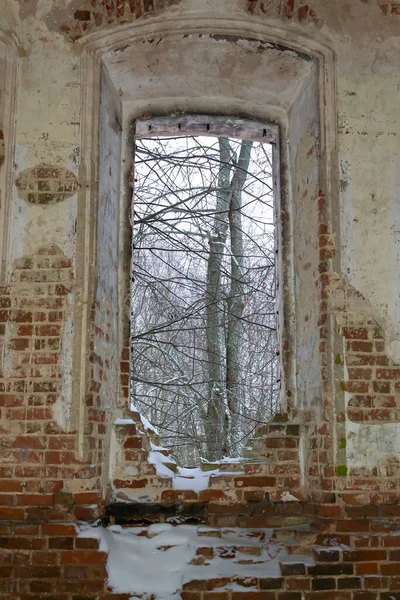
x=203, y=317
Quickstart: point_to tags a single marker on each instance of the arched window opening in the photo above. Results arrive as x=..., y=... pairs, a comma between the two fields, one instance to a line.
x=204, y=366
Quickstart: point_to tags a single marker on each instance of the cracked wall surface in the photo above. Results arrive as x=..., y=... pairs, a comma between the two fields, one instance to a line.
x=327, y=74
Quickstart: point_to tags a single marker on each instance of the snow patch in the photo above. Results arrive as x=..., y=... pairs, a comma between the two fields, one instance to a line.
x=157, y=560
x=288, y=497
x=146, y=424
x=192, y=479
x=124, y=422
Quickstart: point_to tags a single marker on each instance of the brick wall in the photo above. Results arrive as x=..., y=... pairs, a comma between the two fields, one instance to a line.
x=38, y=452
x=356, y=556
x=40, y=555
x=100, y=14
x=346, y=518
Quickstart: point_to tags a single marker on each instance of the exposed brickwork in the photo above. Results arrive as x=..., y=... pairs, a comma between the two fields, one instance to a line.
x=270, y=7
x=293, y=10
x=40, y=553
x=353, y=556
x=270, y=468
x=303, y=12
x=347, y=520
x=125, y=370
x=46, y=184
x=134, y=475
x=389, y=7
x=100, y=14
x=319, y=442
x=95, y=406
x=37, y=455
x=373, y=380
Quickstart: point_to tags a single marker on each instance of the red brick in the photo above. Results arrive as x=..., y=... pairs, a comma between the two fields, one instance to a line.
x=61, y=543
x=48, y=330
x=7, y=499
x=363, y=555
x=58, y=529
x=357, y=387
x=366, y=568
x=86, y=543
x=360, y=512
x=19, y=344
x=256, y=596
x=328, y=510
x=355, y=373
x=5, y=572
x=63, y=499
x=60, y=458
x=22, y=543
x=83, y=557
x=87, y=513
x=133, y=442
x=39, y=414
x=11, y=400
x=10, y=486
x=212, y=495
x=44, y=558
x=259, y=482
x=22, y=529
x=12, y=514
x=61, y=443
x=352, y=333
x=87, y=498
x=281, y=442
x=391, y=541
x=390, y=569
x=388, y=374
x=178, y=495
x=29, y=442
x=134, y=483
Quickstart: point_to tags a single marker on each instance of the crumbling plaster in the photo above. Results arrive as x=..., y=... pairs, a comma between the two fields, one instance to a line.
x=49, y=128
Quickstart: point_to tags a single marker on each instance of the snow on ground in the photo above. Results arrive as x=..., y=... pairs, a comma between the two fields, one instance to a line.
x=156, y=560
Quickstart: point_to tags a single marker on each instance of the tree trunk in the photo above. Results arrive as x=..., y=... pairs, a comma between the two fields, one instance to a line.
x=217, y=412
x=236, y=300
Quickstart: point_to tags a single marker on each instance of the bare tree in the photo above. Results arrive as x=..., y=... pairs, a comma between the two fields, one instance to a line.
x=218, y=416
x=203, y=315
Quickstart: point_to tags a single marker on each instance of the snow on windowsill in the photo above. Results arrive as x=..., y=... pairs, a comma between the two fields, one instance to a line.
x=146, y=424
x=183, y=478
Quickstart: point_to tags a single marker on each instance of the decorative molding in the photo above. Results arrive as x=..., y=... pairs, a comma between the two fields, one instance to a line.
x=6, y=171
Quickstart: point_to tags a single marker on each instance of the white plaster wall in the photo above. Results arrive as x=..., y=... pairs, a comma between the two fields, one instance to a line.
x=304, y=145
x=367, y=50
x=369, y=130
x=106, y=314
x=47, y=130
